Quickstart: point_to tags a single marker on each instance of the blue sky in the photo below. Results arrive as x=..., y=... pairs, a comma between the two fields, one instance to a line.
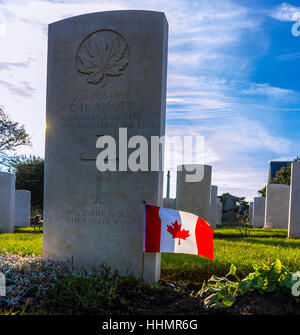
x=233, y=77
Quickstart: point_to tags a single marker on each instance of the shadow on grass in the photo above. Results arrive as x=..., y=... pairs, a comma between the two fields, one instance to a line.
x=222, y=236
x=200, y=273
x=285, y=243
x=27, y=231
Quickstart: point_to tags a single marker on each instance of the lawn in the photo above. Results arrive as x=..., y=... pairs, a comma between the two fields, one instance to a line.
x=230, y=248
x=24, y=241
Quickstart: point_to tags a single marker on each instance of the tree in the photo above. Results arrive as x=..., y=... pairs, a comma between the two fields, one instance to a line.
x=29, y=172
x=12, y=135
x=262, y=192
x=240, y=200
x=283, y=175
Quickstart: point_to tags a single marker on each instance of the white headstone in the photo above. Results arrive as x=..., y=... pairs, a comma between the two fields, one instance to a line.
x=169, y=203
x=22, y=208
x=294, y=210
x=277, y=206
x=106, y=71
x=214, y=208
x=194, y=197
x=259, y=212
x=250, y=216
x=7, y=202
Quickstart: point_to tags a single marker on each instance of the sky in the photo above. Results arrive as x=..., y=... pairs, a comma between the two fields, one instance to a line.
x=233, y=78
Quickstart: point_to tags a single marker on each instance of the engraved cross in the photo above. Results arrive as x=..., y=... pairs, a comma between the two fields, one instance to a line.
x=90, y=160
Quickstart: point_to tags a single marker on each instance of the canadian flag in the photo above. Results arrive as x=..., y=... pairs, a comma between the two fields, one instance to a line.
x=169, y=230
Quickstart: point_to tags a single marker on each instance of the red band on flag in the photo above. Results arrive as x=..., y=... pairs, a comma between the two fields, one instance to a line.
x=204, y=239
x=152, y=229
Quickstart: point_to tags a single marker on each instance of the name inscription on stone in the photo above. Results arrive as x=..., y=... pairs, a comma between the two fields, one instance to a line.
x=97, y=216
x=110, y=110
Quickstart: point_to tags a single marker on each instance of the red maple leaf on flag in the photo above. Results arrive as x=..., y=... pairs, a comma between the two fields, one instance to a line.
x=176, y=232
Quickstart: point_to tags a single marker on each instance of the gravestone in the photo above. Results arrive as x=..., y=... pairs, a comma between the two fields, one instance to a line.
x=194, y=197
x=169, y=203
x=250, y=216
x=214, y=209
x=22, y=208
x=277, y=206
x=258, y=212
x=294, y=209
x=106, y=71
x=220, y=211
x=7, y=202
x=229, y=208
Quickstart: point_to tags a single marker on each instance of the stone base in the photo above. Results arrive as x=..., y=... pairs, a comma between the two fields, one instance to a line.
x=151, y=267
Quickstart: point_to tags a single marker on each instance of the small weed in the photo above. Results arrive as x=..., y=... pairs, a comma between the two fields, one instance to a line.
x=267, y=277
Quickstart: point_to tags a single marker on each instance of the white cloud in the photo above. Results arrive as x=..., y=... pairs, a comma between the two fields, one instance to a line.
x=202, y=35
x=266, y=89
x=231, y=147
x=286, y=12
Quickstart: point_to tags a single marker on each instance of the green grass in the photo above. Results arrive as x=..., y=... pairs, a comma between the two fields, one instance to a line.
x=230, y=248
x=24, y=241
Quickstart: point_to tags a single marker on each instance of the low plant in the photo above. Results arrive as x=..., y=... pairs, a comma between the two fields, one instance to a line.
x=267, y=277
x=86, y=290
x=244, y=228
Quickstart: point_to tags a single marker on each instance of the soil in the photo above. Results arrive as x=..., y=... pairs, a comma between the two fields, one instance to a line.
x=176, y=299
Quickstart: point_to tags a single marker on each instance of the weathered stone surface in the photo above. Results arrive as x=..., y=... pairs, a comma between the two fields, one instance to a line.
x=277, y=206
x=194, y=197
x=93, y=217
x=294, y=209
x=259, y=212
x=250, y=216
x=169, y=203
x=22, y=208
x=214, y=208
x=7, y=202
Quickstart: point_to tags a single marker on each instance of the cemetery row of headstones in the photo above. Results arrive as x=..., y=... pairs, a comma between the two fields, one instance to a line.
x=280, y=207
x=199, y=198
x=108, y=71
x=14, y=205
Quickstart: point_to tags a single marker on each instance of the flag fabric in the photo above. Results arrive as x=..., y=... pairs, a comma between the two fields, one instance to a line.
x=169, y=230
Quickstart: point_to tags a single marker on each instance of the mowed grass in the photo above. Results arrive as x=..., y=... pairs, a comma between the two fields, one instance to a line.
x=24, y=241
x=229, y=248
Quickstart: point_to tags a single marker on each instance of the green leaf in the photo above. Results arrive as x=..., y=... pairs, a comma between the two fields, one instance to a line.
x=271, y=288
x=232, y=270
x=245, y=285
x=275, y=270
x=214, y=278
x=228, y=301
x=218, y=304
x=211, y=299
x=287, y=282
x=276, y=266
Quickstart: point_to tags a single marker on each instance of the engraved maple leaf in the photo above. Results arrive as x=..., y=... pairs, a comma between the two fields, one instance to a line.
x=176, y=232
x=103, y=58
